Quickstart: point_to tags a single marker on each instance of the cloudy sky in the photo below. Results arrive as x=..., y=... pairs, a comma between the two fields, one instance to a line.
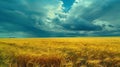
x=59, y=18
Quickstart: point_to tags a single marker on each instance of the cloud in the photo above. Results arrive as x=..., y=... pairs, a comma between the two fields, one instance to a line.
x=84, y=14
x=44, y=18
x=30, y=17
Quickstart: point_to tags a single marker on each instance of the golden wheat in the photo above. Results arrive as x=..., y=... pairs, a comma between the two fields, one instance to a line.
x=60, y=52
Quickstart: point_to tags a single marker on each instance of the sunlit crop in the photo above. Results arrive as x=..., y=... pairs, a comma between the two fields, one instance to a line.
x=60, y=52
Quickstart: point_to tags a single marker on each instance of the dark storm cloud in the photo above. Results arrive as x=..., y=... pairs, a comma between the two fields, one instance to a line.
x=18, y=16
x=45, y=18
x=81, y=25
x=84, y=13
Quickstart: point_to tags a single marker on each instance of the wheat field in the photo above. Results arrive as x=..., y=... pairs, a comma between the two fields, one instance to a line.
x=60, y=52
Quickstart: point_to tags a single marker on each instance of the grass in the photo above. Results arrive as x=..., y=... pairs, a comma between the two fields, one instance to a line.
x=60, y=52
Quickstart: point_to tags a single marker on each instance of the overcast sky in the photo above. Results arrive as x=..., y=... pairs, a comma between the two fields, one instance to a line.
x=59, y=18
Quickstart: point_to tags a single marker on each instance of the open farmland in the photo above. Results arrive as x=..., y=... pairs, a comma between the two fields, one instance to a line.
x=60, y=52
